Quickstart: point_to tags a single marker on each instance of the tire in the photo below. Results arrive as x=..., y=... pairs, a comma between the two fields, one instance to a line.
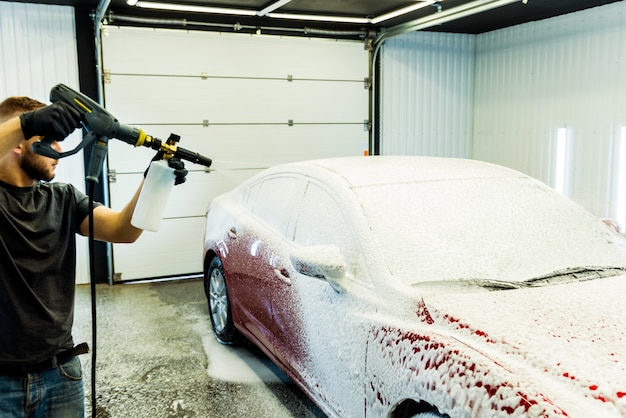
x=219, y=304
x=428, y=415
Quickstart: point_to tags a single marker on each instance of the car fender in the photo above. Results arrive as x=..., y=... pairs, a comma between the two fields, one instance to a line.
x=444, y=372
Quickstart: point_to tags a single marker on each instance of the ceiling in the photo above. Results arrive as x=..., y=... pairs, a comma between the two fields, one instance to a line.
x=276, y=16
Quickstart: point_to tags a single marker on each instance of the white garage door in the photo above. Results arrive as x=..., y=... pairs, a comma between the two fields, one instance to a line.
x=245, y=101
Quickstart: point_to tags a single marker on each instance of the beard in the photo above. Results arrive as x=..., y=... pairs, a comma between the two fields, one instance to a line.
x=35, y=166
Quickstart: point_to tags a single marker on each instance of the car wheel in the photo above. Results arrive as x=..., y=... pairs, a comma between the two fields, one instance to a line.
x=219, y=303
x=413, y=409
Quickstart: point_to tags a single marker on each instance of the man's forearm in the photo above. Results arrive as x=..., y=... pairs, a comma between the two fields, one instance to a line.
x=127, y=214
x=112, y=225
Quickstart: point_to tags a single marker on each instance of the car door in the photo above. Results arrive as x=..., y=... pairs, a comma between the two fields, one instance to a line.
x=317, y=334
x=268, y=206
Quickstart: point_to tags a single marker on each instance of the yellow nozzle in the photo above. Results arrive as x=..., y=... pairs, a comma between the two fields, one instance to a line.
x=141, y=139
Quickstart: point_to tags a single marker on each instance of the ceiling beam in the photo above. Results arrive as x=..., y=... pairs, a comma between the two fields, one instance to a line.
x=272, y=7
x=441, y=17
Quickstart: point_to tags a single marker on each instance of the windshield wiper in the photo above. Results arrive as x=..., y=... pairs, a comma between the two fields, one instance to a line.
x=577, y=274
x=495, y=284
x=468, y=285
x=568, y=275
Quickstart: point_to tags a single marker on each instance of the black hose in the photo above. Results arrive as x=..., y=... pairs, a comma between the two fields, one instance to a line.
x=92, y=272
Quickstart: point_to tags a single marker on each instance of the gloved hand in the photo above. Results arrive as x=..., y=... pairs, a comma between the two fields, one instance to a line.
x=55, y=121
x=176, y=163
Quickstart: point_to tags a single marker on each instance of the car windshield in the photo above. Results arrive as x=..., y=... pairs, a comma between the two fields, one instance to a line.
x=497, y=229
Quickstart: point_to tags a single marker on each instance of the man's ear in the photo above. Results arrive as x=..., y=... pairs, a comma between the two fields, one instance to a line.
x=19, y=150
x=24, y=146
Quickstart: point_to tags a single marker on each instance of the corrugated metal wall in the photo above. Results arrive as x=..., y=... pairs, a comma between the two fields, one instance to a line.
x=38, y=48
x=565, y=72
x=427, y=94
x=502, y=96
x=37, y=51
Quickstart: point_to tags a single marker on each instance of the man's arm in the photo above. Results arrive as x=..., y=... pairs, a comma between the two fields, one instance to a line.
x=113, y=226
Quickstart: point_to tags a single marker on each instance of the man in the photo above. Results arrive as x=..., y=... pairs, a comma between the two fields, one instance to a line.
x=40, y=375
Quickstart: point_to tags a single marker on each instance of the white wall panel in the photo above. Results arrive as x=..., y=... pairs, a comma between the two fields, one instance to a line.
x=246, y=101
x=427, y=90
x=513, y=89
x=537, y=77
x=38, y=48
x=37, y=51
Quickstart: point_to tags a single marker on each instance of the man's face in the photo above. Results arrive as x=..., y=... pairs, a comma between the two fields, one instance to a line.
x=37, y=166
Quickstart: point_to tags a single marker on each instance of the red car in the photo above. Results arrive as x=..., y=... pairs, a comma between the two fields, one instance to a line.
x=417, y=286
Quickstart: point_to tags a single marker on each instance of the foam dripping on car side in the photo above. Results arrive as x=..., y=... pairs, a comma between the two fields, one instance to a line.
x=439, y=371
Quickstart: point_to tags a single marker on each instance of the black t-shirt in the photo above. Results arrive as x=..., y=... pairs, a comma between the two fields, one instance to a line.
x=37, y=269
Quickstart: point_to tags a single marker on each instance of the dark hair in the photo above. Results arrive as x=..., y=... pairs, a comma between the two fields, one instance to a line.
x=16, y=105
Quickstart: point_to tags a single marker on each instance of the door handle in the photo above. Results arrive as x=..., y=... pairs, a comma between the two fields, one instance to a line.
x=283, y=275
x=232, y=232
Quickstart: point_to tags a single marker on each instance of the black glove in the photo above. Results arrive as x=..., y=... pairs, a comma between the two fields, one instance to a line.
x=176, y=163
x=179, y=170
x=55, y=121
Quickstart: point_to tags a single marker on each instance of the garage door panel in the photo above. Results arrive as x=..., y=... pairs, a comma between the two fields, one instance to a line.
x=239, y=101
x=176, y=248
x=159, y=51
x=246, y=102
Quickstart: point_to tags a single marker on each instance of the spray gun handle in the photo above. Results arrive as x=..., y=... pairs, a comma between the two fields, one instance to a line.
x=98, y=154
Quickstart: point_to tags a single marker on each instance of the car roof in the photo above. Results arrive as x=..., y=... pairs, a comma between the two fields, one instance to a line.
x=380, y=170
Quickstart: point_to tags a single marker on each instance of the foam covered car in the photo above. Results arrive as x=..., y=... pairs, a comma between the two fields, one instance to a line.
x=420, y=286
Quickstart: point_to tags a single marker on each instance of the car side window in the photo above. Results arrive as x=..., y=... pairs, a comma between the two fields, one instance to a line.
x=272, y=201
x=248, y=198
x=320, y=222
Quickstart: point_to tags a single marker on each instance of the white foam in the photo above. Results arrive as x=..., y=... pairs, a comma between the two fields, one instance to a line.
x=237, y=364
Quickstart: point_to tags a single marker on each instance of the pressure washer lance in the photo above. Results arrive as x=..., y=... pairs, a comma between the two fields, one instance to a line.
x=101, y=126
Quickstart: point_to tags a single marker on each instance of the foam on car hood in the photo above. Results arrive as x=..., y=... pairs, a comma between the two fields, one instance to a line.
x=573, y=335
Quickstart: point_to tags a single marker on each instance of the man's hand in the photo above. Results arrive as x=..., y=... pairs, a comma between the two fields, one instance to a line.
x=176, y=163
x=179, y=170
x=55, y=121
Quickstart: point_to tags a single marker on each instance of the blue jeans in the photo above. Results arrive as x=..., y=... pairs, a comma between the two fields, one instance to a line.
x=53, y=393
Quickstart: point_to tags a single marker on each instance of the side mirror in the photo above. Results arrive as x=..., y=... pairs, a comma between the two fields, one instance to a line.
x=325, y=262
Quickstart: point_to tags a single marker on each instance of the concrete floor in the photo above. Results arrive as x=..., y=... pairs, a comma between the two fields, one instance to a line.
x=157, y=357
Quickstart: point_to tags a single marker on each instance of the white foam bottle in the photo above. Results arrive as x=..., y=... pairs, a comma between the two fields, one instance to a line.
x=153, y=196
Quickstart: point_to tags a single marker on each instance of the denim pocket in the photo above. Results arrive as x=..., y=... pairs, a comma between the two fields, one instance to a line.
x=71, y=369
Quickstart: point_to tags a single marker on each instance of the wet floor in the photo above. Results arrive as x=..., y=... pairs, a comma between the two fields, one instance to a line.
x=157, y=357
